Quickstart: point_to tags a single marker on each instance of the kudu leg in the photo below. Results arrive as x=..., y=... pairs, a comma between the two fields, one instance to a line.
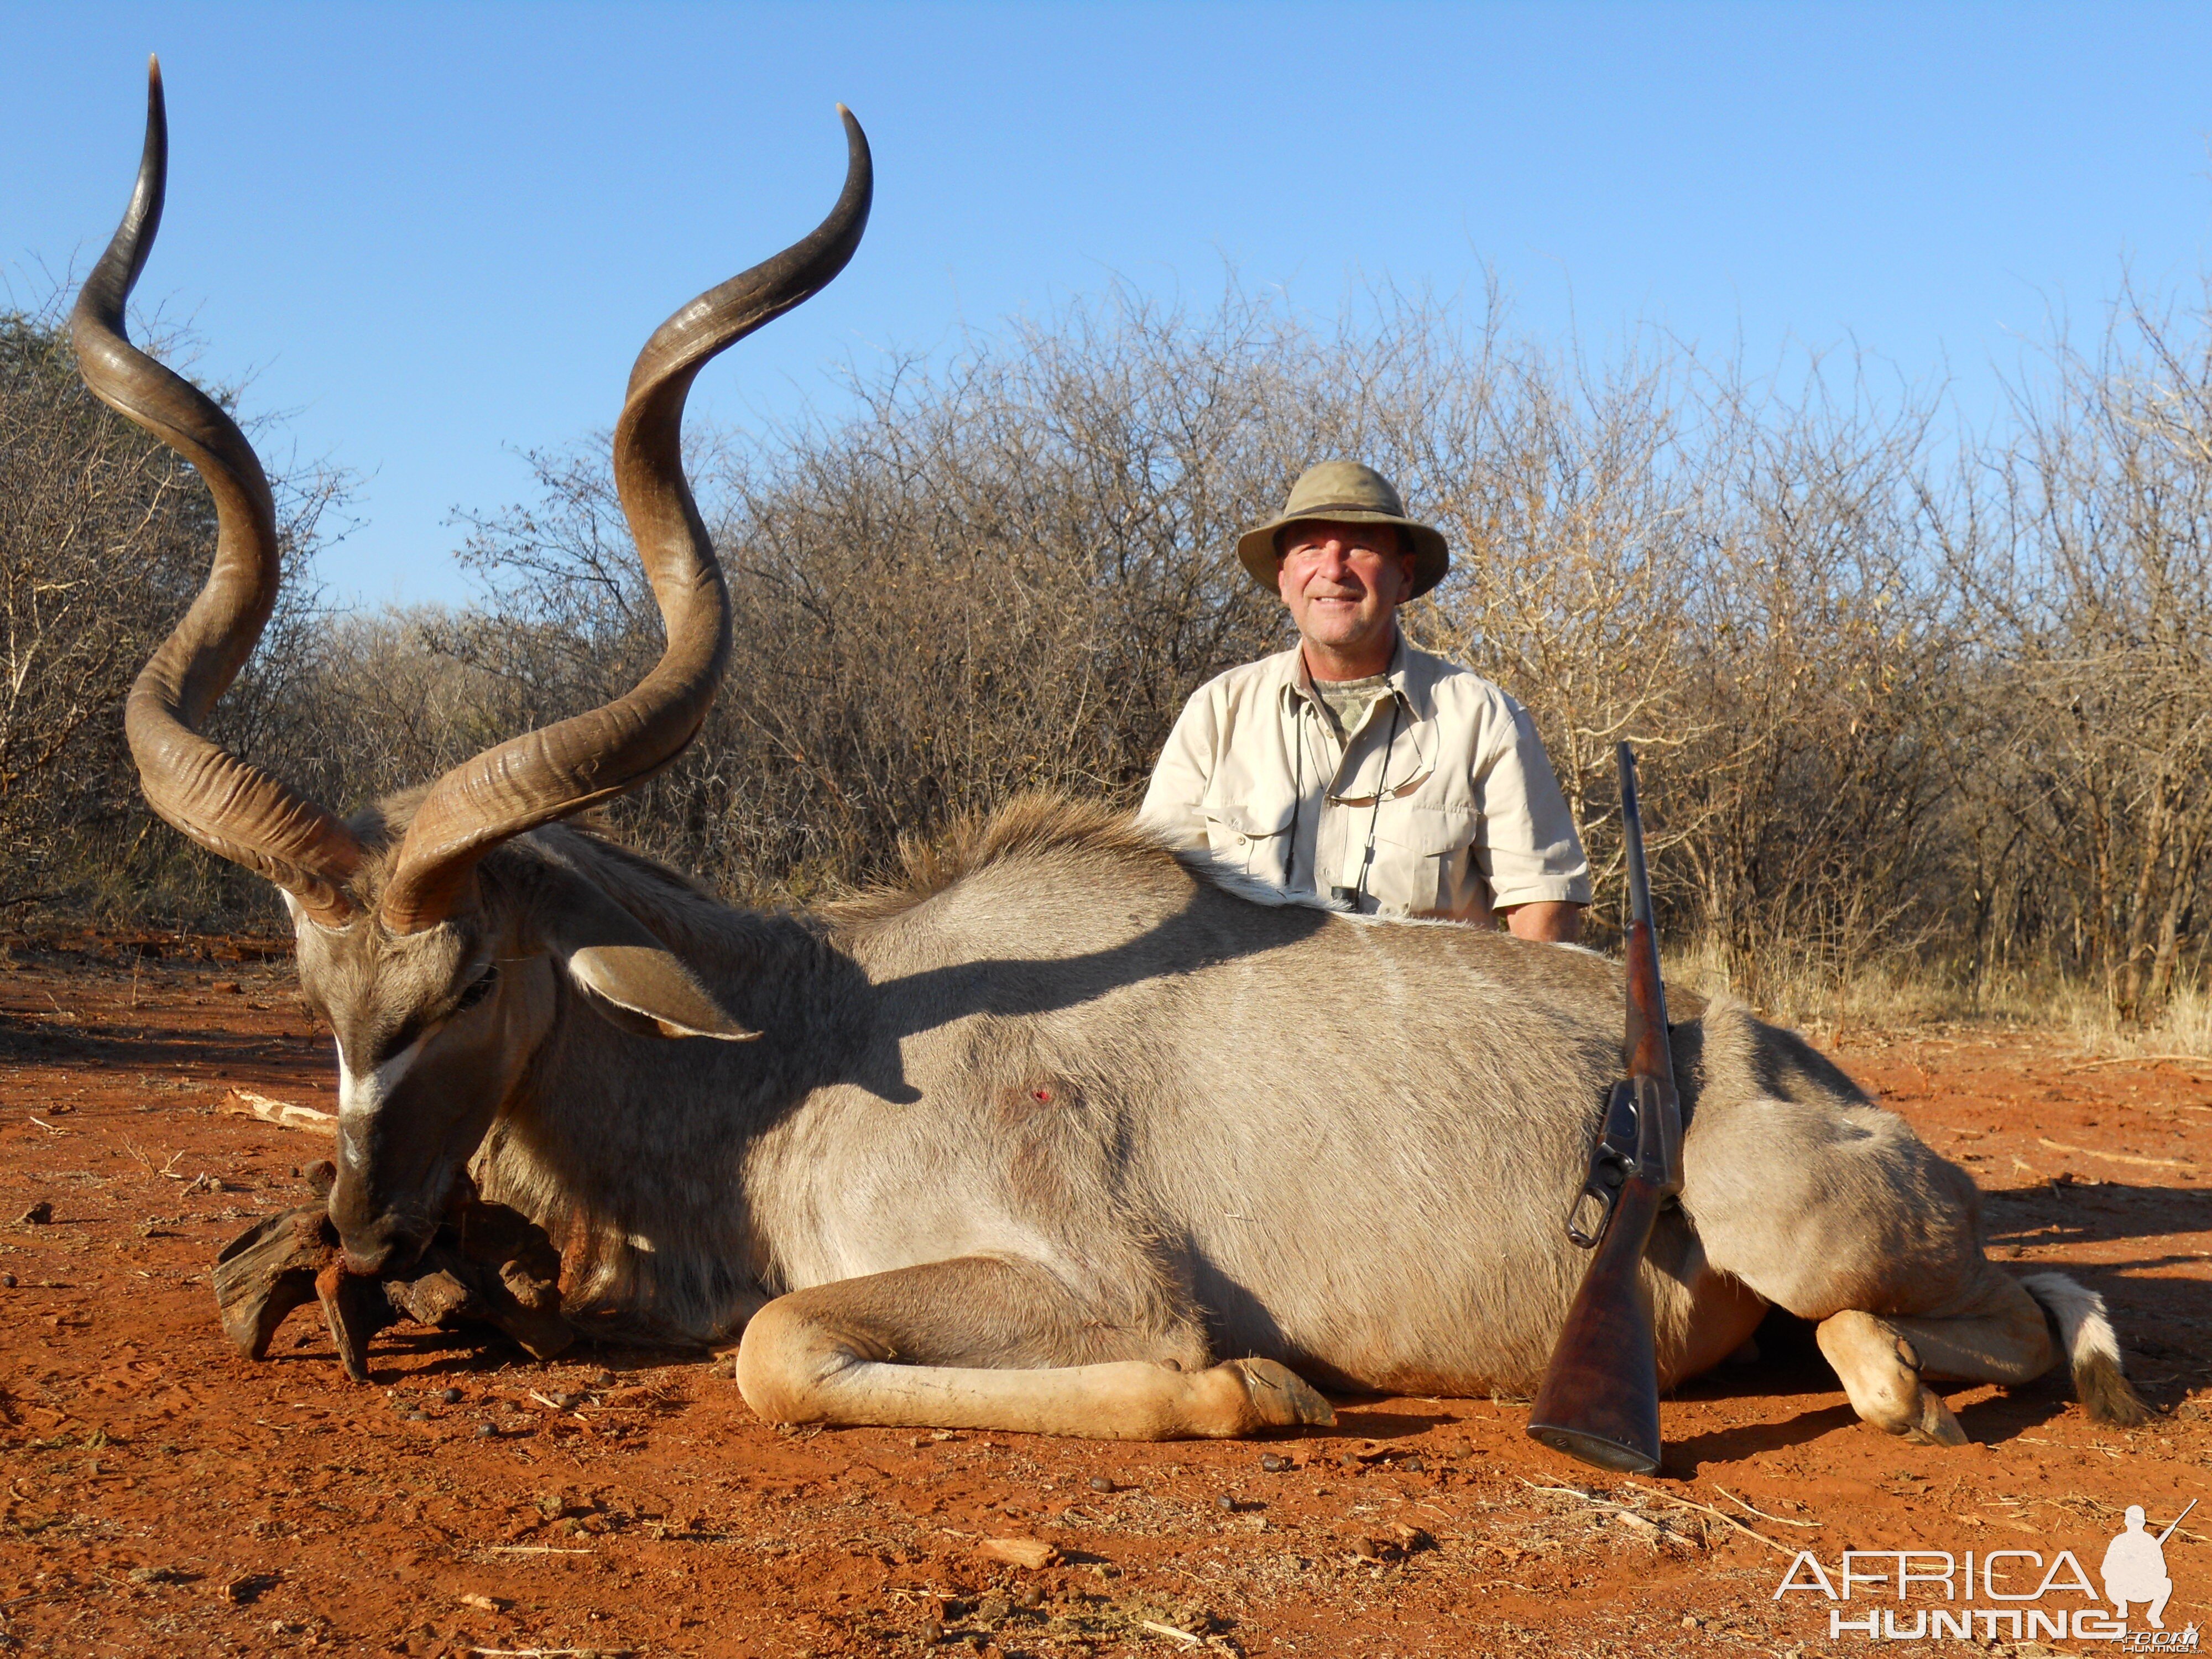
x=1881, y=1372
x=2000, y=1336
x=1996, y=1333
x=983, y=1343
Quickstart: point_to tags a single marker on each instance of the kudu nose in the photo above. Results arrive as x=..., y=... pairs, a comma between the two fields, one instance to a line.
x=379, y=1250
x=372, y=1244
x=367, y=1263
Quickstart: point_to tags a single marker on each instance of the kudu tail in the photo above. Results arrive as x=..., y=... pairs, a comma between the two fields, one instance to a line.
x=2091, y=1348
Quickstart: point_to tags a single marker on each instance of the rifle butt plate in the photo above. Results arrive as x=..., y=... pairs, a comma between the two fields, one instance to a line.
x=1595, y=1449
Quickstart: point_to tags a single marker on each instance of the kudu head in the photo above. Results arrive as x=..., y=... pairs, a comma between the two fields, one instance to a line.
x=433, y=956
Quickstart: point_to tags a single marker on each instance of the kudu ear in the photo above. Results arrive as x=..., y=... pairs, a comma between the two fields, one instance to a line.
x=612, y=956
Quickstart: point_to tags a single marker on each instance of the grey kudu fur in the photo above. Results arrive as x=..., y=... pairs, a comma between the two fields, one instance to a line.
x=1075, y=1135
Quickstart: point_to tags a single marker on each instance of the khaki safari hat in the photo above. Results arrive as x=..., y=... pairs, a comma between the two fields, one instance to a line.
x=1350, y=494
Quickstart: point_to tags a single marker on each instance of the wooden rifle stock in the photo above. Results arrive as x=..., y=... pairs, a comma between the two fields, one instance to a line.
x=1600, y=1398
x=1599, y=1401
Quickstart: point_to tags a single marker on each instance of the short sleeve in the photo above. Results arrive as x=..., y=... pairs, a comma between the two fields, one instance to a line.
x=1172, y=800
x=1528, y=850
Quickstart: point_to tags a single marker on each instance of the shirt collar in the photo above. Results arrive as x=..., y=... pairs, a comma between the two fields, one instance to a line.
x=1411, y=675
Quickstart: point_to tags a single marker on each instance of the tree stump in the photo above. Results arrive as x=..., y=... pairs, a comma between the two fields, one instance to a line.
x=488, y=1265
x=267, y=1271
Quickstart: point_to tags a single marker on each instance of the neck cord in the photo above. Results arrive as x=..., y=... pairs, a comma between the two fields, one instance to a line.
x=1382, y=788
x=1297, y=803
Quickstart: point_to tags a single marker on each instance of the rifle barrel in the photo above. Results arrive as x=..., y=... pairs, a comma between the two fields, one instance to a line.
x=1600, y=1397
x=2176, y=1521
x=1631, y=833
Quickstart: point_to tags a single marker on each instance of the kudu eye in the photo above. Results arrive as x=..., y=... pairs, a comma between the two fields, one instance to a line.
x=479, y=988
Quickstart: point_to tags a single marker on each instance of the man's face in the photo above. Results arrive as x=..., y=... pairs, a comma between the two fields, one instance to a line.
x=1344, y=582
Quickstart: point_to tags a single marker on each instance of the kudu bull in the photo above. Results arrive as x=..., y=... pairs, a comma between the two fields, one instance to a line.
x=1079, y=1136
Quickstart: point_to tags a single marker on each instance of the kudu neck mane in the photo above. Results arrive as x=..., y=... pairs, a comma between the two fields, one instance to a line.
x=1029, y=827
x=712, y=932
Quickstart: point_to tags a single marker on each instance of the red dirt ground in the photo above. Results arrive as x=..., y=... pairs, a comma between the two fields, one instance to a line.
x=163, y=1495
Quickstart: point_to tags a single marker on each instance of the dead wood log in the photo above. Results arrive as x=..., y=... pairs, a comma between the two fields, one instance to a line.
x=355, y=1309
x=488, y=1265
x=267, y=1271
x=437, y=1299
x=506, y=1259
x=282, y=1112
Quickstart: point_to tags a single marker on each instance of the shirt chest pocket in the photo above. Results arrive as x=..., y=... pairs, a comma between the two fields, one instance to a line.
x=1254, y=840
x=1422, y=866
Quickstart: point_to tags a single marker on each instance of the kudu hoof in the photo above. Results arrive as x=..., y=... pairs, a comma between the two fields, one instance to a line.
x=1281, y=1397
x=1938, y=1424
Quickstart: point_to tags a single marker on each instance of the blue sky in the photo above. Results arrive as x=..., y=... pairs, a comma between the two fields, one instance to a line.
x=436, y=236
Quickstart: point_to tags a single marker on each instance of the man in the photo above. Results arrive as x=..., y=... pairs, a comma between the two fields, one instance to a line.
x=2135, y=1570
x=1355, y=766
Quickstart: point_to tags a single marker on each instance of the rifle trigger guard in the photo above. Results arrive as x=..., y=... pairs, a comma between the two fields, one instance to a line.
x=1613, y=1160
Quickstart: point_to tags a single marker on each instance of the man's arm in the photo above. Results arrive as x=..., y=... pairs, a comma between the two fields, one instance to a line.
x=1531, y=855
x=1173, y=801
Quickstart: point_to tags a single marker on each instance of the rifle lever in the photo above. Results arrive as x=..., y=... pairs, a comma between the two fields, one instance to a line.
x=1613, y=1160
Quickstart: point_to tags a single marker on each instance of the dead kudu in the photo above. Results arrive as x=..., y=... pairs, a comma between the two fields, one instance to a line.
x=1073, y=1135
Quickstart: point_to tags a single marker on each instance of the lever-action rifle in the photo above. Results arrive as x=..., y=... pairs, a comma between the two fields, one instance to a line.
x=1599, y=1401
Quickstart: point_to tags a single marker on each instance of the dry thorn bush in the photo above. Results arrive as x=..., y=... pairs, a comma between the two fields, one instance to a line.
x=105, y=536
x=1923, y=722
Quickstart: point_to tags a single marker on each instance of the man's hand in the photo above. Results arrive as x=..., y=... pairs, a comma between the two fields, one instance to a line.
x=1545, y=920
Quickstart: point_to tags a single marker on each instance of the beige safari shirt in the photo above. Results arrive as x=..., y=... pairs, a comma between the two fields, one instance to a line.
x=1446, y=781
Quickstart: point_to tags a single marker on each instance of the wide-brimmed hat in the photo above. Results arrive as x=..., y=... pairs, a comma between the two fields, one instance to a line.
x=1348, y=493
